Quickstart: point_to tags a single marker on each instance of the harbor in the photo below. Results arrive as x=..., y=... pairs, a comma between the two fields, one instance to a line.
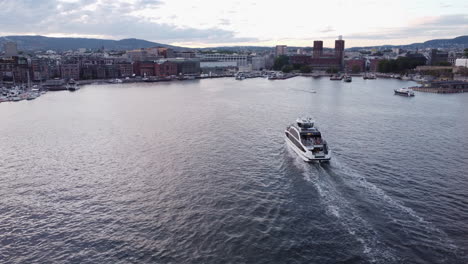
x=131, y=169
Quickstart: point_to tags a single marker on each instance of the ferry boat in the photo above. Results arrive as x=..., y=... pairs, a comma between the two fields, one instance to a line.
x=404, y=91
x=306, y=140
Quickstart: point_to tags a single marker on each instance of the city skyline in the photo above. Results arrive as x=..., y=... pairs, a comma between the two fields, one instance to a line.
x=232, y=23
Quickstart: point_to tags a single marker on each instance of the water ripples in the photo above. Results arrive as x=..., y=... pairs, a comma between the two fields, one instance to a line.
x=198, y=172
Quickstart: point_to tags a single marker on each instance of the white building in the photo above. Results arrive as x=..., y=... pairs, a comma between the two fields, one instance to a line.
x=218, y=64
x=258, y=63
x=461, y=63
x=281, y=50
x=240, y=60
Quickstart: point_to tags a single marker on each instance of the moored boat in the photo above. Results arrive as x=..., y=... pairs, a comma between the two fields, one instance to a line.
x=72, y=85
x=336, y=77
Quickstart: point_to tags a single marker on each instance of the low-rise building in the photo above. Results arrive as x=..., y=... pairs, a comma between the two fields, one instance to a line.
x=373, y=64
x=218, y=67
x=125, y=69
x=187, y=66
x=240, y=60
x=461, y=63
x=355, y=65
x=70, y=71
x=165, y=68
x=258, y=63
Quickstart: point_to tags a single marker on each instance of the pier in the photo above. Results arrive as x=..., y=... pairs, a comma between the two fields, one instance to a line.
x=443, y=87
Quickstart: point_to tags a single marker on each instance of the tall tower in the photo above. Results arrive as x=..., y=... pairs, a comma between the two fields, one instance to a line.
x=339, y=50
x=281, y=50
x=318, y=49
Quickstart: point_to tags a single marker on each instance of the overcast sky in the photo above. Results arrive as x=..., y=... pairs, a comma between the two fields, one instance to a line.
x=204, y=23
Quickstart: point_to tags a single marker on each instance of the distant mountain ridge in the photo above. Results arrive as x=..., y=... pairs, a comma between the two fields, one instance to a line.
x=32, y=43
x=458, y=42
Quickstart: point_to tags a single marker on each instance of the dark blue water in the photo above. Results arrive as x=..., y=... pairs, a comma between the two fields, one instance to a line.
x=199, y=172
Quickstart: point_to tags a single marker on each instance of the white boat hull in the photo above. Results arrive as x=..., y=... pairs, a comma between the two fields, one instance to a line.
x=307, y=156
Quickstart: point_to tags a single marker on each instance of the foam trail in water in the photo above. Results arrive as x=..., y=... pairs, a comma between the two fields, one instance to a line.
x=394, y=208
x=339, y=208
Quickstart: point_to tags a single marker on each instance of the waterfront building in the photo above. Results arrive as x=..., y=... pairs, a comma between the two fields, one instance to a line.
x=14, y=69
x=281, y=50
x=218, y=67
x=70, y=71
x=164, y=68
x=258, y=63
x=125, y=69
x=443, y=87
x=322, y=60
x=239, y=60
x=461, y=63
x=269, y=61
x=187, y=66
x=41, y=69
x=355, y=65
x=143, y=68
x=373, y=64
x=160, y=68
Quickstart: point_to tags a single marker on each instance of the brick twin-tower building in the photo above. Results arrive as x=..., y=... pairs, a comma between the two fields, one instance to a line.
x=323, y=60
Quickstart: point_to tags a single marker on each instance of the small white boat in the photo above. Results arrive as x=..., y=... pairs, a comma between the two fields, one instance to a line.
x=31, y=96
x=4, y=99
x=306, y=140
x=115, y=81
x=336, y=77
x=404, y=91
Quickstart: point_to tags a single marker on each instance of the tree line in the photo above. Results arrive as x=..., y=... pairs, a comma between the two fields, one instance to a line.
x=401, y=64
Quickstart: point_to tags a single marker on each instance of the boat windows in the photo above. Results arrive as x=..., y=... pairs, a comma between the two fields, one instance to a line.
x=295, y=142
x=305, y=125
x=294, y=132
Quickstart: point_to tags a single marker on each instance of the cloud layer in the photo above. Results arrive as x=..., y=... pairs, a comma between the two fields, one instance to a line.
x=232, y=22
x=112, y=19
